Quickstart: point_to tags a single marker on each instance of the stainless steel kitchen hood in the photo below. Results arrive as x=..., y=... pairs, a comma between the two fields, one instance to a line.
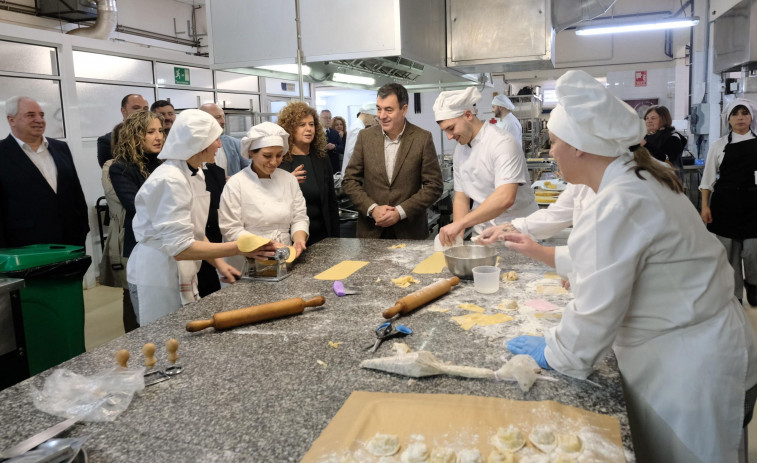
x=735, y=38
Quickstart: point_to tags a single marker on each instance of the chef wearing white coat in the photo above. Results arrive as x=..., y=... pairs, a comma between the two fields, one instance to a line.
x=649, y=281
x=489, y=168
x=503, y=107
x=263, y=199
x=366, y=117
x=169, y=225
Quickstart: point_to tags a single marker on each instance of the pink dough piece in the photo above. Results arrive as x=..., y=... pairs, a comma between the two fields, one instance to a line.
x=541, y=305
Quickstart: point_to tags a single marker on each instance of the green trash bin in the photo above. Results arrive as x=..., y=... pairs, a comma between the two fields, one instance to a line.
x=52, y=303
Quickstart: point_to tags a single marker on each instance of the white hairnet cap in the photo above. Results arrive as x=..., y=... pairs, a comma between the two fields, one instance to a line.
x=502, y=100
x=368, y=108
x=592, y=119
x=192, y=132
x=454, y=103
x=748, y=104
x=263, y=135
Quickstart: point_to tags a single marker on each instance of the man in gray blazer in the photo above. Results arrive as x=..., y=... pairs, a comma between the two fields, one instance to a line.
x=393, y=176
x=228, y=157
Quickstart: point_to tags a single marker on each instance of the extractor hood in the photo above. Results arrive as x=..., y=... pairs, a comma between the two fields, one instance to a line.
x=735, y=38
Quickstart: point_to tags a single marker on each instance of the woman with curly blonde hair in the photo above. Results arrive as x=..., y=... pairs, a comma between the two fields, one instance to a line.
x=137, y=141
x=307, y=154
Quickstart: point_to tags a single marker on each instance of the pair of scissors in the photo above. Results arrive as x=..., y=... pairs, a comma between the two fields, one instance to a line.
x=386, y=331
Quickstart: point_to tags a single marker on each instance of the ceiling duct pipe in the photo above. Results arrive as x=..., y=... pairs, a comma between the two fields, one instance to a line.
x=566, y=13
x=105, y=25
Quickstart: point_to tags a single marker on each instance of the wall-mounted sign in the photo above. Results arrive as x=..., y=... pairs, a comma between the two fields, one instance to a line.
x=181, y=76
x=287, y=87
x=641, y=78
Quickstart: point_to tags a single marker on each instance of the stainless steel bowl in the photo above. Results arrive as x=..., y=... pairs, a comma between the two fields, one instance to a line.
x=462, y=259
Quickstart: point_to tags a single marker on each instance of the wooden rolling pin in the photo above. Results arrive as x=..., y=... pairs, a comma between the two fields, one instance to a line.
x=421, y=297
x=256, y=313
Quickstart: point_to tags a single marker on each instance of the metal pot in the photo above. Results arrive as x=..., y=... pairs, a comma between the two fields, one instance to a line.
x=462, y=259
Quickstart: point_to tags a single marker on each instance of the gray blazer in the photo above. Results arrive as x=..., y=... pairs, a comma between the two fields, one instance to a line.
x=233, y=147
x=416, y=183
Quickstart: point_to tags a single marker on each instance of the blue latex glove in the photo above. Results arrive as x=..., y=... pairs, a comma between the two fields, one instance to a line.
x=530, y=345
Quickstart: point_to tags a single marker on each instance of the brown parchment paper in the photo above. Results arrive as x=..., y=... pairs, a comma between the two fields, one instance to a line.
x=449, y=420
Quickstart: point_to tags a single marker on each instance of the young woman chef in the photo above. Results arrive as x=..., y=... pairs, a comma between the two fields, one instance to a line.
x=169, y=225
x=649, y=281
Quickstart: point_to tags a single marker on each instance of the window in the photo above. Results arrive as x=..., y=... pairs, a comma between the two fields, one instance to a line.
x=30, y=59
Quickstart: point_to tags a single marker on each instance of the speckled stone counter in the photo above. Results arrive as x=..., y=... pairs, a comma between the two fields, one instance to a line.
x=258, y=392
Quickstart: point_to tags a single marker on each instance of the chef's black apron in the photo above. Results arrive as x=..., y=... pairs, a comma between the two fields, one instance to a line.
x=734, y=199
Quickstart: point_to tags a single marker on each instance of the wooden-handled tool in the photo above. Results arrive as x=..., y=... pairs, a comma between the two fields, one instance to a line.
x=256, y=313
x=423, y=296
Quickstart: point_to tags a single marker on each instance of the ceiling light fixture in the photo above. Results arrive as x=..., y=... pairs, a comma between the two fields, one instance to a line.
x=287, y=68
x=617, y=28
x=351, y=79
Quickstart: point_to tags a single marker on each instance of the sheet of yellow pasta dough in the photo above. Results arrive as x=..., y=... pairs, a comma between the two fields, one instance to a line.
x=248, y=242
x=471, y=307
x=434, y=263
x=467, y=322
x=341, y=270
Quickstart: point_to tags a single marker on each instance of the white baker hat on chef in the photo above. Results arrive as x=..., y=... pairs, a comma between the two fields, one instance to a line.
x=502, y=100
x=592, y=119
x=750, y=105
x=368, y=108
x=454, y=103
x=192, y=132
x=263, y=135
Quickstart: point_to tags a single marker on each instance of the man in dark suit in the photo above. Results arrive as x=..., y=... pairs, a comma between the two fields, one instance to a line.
x=129, y=104
x=41, y=200
x=334, y=143
x=393, y=176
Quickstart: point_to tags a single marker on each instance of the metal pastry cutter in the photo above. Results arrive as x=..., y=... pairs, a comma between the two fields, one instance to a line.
x=268, y=270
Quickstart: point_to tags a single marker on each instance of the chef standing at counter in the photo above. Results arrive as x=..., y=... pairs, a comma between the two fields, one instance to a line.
x=489, y=165
x=503, y=108
x=649, y=281
x=169, y=225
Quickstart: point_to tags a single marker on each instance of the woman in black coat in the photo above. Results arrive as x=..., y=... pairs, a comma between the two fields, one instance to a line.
x=662, y=141
x=307, y=160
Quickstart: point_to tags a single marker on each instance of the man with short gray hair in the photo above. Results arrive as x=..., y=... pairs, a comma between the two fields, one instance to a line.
x=41, y=199
x=229, y=156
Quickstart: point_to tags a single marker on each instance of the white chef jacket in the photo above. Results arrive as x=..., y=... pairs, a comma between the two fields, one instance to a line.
x=511, y=125
x=490, y=160
x=563, y=213
x=171, y=214
x=715, y=157
x=653, y=283
x=222, y=160
x=349, y=145
x=272, y=208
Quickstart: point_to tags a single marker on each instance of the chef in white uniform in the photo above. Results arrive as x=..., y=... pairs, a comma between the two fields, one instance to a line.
x=489, y=167
x=172, y=210
x=503, y=107
x=650, y=282
x=365, y=118
x=545, y=223
x=263, y=199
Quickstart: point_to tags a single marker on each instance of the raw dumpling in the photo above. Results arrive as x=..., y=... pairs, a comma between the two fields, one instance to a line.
x=383, y=444
x=510, y=276
x=569, y=443
x=509, y=439
x=442, y=455
x=508, y=304
x=415, y=453
x=469, y=456
x=500, y=457
x=543, y=439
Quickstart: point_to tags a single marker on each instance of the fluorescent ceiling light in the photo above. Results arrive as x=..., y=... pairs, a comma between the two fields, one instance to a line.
x=672, y=23
x=350, y=79
x=288, y=68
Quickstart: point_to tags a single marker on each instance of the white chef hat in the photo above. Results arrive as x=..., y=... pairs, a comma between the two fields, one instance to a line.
x=592, y=119
x=502, y=100
x=192, y=131
x=263, y=135
x=748, y=104
x=454, y=103
x=368, y=108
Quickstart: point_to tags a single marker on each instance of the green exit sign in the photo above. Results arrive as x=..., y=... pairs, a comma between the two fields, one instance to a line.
x=181, y=76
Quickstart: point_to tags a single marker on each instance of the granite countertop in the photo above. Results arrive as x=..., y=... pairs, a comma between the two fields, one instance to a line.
x=258, y=392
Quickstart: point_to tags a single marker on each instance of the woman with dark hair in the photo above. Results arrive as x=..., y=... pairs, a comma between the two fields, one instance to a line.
x=729, y=194
x=662, y=141
x=649, y=282
x=308, y=162
x=137, y=141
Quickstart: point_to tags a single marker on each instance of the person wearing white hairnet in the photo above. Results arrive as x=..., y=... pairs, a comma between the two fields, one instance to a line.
x=366, y=117
x=169, y=225
x=263, y=199
x=729, y=194
x=650, y=282
x=503, y=107
x=489, y=168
